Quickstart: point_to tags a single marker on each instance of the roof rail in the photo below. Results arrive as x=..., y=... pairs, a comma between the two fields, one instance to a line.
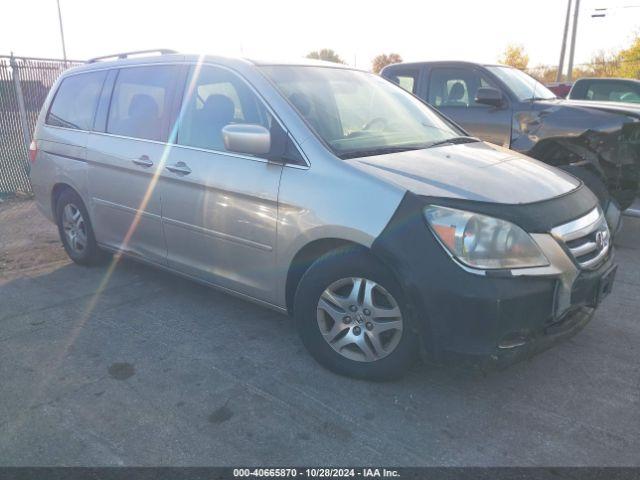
x=161, y=51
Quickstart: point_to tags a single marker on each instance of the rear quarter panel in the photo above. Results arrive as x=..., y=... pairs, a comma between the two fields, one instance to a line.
x=61, y=158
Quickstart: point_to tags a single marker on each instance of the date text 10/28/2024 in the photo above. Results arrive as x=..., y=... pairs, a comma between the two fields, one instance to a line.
x=315, y=473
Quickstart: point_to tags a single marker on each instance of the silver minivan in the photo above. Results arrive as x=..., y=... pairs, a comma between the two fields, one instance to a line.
x=327, y=193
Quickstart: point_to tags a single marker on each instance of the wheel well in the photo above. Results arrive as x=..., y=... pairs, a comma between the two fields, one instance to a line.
x=305, y=258
x=57, y=190
x=563, y=152
x=575, y=157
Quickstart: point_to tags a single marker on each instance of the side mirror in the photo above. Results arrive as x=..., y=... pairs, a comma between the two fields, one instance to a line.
x=247, y=138
x=489, y=96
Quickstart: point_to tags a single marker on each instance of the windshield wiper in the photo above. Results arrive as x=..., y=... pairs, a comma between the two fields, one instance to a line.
x=378, y=151
x=454, y=141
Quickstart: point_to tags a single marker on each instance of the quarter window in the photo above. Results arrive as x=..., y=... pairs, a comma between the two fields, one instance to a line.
x=75, y=101
x=141, y=101
x=215, y=98
x=455, y=87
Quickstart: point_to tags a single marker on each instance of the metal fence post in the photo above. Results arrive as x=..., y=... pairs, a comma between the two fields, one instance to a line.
x=15, y=71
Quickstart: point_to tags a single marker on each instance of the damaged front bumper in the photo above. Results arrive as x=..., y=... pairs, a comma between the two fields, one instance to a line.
x=527, y=318
x=496, y=317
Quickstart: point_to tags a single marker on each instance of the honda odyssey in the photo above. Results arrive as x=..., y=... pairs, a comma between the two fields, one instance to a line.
x=327, y=193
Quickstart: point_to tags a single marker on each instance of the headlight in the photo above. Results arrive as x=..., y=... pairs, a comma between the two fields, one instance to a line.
x=483, y=242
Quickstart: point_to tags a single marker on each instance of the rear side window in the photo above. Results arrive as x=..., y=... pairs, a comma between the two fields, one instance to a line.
x=75, y=101
x=612, y=91
x=406, y=78
x=141, y=102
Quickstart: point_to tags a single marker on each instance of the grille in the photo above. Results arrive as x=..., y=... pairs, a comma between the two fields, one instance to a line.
x=587, y=238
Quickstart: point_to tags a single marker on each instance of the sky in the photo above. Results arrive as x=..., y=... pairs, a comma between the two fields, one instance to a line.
x=474, y=30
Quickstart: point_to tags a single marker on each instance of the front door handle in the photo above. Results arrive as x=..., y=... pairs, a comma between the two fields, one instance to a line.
x=179, y=168
x=143, y=161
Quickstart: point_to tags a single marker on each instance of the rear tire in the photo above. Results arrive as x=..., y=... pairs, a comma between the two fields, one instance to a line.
x=76, y=231
x=353, y=318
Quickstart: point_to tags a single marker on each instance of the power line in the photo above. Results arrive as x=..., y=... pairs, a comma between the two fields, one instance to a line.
x=602, y=11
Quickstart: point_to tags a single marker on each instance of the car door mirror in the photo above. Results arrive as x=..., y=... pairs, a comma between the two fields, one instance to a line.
x=247, y=138
x=489, y=96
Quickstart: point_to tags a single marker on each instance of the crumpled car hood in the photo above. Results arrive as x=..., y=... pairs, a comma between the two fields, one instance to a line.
x=567, y=118
x=631, y=109
x=474, y=171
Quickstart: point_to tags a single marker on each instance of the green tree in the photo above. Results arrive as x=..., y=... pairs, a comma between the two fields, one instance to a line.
x=325, y=54
x=543, y=73
x=583, y=71
x=602, y=64
x=629, y=60
x=383, y=60
x=514, y=56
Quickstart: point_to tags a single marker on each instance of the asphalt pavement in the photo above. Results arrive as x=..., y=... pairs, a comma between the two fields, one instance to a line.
x=138, y=367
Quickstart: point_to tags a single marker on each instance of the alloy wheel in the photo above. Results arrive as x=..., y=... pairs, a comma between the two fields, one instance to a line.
x=74, y=228
x=359, y=319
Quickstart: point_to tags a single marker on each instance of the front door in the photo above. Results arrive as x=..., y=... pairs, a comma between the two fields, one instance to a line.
x=452, y=90
x=220, y=208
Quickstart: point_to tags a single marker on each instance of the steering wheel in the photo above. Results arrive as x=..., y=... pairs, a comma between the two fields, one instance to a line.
x=378, y=120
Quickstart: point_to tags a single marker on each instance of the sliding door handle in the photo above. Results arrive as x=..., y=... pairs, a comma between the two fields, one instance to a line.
x=180, y=168
x=143, y=161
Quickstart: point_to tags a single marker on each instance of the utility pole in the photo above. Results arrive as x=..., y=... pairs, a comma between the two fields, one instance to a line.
x=64, y=48
x=573, y=40
x=564, y=42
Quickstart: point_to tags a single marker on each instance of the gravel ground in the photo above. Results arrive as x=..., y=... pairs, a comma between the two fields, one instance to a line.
x=139, y=367
x=27, y=240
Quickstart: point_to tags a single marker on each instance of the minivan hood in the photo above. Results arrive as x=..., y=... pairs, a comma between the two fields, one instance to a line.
x=474, y=171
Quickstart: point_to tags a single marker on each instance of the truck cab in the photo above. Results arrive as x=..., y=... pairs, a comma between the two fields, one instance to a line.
x=452, y=88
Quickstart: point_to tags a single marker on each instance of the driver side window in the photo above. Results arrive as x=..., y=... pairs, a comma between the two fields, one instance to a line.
x=213, y=99
x=455, y=87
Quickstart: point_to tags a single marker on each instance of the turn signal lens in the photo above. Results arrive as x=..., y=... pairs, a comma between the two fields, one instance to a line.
x=483, y=242
x=33, y=151
x=447, y=234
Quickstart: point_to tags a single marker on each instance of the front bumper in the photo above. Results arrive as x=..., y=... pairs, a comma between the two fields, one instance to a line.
x=525, y=323
x=496, y=318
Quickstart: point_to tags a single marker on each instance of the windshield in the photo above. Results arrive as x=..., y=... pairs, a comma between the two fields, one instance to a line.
x=522, y=85
x=358, y=113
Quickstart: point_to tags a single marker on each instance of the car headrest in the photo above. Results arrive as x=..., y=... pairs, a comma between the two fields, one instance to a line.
x=457, y=91
x=219, y=108
x=143, y=105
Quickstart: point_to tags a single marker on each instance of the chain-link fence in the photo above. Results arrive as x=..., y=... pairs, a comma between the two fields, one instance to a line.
x=24, y=84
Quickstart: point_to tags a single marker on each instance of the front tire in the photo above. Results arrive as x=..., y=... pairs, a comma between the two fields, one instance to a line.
x=353, y=318
x=76, y=232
